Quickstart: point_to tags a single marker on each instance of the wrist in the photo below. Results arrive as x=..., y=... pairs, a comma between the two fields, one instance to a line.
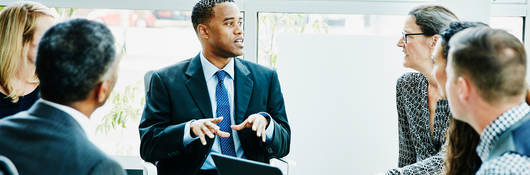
x=267, y=117
x=191, y=129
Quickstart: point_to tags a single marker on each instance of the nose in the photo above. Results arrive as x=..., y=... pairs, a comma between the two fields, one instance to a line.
x=239, y=30
x=401, y=42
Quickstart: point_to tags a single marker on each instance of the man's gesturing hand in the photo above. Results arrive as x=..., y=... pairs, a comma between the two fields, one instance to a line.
x=207, y=127
x=257, y=122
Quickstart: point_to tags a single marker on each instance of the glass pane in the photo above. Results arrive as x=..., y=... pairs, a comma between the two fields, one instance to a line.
x=273, y=24
x=151, y=39
x=514, y=25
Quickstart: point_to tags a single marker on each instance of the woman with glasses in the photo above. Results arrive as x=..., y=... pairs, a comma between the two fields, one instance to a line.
x=423, y=115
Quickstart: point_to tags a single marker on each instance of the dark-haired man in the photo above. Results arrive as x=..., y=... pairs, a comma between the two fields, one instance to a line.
x=213, y=102
x=486, y=88
x=77, y=68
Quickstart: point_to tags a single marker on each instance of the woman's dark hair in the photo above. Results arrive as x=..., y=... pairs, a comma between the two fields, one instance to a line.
x=461, y=157
x=432, y=19
x=455, y=27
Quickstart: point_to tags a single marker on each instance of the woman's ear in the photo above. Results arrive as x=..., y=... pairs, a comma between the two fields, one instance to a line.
x=434, y=40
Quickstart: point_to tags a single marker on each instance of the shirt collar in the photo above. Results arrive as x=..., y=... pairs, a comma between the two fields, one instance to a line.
x=495, y=129
x=79, y=117
x=210, y=69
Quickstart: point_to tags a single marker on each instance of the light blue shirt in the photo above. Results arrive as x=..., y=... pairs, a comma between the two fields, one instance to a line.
x=209, y=71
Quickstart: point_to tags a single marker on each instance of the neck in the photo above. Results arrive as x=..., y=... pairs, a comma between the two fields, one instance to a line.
x=84, y=107
x=487, y=113
x=426, y=71
x=26, y=72
x=217, y=61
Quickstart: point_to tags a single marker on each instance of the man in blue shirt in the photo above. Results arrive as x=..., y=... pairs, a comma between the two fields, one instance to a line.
x=486, y=87
x=213, y=102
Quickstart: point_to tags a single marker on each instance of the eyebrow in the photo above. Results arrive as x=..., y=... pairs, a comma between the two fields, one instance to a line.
x=231, y=18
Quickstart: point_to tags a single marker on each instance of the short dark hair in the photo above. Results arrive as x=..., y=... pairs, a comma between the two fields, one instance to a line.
x=432, y=19
x=72, y=58
x=203, y=11
x=455, y=27
x=493, y=59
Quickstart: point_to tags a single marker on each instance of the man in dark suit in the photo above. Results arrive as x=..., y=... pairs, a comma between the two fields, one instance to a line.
x=77, y=67
x=213, y=102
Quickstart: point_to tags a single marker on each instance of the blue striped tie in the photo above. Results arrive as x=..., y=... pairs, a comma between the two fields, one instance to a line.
x=223, y=109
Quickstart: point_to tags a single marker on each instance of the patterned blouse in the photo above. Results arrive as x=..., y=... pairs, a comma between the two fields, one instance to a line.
x=420, y=152
x=508, y=163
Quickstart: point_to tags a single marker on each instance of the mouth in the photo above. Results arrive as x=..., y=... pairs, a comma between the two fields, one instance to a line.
x=405, y=53
x=239, y=42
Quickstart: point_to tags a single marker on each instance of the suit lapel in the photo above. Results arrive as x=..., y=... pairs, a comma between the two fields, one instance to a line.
x=243, y=90
x=196, y=85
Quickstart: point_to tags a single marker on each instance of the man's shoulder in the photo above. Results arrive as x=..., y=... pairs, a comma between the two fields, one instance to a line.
x=179, y=67
x=20, y=122
x=508, y=163
x=254, y=67
x=67, y=148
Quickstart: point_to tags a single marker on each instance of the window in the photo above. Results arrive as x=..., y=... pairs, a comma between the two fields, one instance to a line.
x=151, y=39
x=273, y=24
x=513, y=25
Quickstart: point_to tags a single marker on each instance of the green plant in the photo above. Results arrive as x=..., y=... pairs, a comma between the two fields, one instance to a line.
x=65, y=13
x=127, y=104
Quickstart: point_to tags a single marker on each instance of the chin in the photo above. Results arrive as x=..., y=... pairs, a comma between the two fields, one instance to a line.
x=237, y=53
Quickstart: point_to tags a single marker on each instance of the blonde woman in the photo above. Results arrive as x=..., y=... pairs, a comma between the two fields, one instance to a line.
x=21, y=26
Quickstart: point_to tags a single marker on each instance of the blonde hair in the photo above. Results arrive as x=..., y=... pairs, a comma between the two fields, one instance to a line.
x=17, y=27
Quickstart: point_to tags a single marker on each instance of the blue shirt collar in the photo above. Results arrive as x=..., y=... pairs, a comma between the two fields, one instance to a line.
x=490, y=135
x=209, y=69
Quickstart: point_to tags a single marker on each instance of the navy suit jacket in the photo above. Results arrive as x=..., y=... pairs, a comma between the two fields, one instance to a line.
x=46, y=140
x=178, y=94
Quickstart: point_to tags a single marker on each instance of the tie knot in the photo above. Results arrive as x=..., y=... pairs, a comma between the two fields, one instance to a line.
x=221, y=74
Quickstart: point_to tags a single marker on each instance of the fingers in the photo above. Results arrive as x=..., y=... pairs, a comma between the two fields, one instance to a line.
x=260, y=132
x=223, y=134
x=213, y=127
x=216, y=120
x=199, y=133
x=207, y=131
x=240, y=126
x=263, y=135
x=216, y=130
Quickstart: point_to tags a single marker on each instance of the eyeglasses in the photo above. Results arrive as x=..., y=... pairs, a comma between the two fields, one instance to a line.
x=405, y=34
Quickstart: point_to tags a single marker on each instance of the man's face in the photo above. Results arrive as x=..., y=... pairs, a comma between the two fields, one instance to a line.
x=225, y=36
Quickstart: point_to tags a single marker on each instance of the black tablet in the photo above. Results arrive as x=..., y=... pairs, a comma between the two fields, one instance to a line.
x=228, y=165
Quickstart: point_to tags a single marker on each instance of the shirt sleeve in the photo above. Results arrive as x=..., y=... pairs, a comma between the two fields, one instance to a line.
x=187, y=134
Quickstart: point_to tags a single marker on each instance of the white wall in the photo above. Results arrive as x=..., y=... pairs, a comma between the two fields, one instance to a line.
x=340, y=99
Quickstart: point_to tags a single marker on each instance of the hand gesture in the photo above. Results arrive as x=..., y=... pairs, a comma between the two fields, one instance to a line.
x=207, y=127
x=257, y=122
